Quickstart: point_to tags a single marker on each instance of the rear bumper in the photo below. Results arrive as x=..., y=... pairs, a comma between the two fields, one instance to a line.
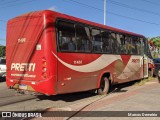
x=47, y=86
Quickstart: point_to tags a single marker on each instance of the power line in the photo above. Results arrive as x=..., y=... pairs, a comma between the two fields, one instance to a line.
x=133, y=8
x=134, y=19
x=18, y=4
x=13, y=6
x=2, y=20
x=2, y=1
x=115, y=13
x=6, y=2
x=86, y=5
x=153, y=3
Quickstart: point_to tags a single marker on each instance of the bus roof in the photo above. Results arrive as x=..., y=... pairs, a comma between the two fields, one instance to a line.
x=64, y=16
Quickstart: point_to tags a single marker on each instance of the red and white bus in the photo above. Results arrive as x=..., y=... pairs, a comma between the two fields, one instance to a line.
x=53, y=53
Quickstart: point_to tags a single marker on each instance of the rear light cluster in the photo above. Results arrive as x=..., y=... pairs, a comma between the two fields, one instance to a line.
x=44, y=67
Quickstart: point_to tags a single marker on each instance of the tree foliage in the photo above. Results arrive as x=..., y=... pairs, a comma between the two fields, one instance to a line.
x=2, y=51
x=156, y=41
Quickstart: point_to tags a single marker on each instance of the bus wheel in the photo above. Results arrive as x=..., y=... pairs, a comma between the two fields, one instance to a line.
x=104, y=86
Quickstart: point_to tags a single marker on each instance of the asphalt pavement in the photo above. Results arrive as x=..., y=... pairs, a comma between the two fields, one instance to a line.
x=140, y=102
x=125, y=101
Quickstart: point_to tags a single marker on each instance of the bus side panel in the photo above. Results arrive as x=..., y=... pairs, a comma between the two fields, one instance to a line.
x=132, y=66
x=71, y=80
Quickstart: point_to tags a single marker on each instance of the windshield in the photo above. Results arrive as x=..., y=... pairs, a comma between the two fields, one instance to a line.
x=2, y=61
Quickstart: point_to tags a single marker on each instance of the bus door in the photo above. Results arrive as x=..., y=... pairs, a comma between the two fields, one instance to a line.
x=145, y=67
x=144, y=45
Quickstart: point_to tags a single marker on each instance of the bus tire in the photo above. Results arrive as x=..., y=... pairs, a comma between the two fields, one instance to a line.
x=104, y=86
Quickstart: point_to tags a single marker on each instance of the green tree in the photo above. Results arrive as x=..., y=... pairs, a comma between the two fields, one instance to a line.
x=2, y=51
x=156, y=41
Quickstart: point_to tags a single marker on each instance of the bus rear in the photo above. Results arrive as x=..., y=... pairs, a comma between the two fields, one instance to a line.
x=29, y=42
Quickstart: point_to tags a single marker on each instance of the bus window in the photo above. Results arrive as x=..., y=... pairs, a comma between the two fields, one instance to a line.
x=123, y=48
x=83, y=38
x=128, y=43
x=106, y=47
x=142, y=46
x=97, y=42
x=138, y=44
x=134, y=45
x=113, y=43
x=118, y=43
x=121, y=44
x=66, y=36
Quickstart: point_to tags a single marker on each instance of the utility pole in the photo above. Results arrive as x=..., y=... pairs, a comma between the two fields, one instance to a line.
x=105, y=12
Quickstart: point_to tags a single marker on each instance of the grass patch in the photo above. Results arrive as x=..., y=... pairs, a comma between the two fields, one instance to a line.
x=143, y=81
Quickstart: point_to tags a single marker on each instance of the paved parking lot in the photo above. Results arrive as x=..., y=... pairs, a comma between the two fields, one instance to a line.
x=135, y=99
x=126, y=97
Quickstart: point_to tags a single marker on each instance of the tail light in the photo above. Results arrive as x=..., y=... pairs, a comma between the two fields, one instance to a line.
x=44, y=67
